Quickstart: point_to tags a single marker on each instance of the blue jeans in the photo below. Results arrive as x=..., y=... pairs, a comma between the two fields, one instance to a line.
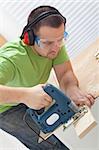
x=12, y=122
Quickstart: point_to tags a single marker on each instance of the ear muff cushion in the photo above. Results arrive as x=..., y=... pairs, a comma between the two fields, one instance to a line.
x=29, y=37
x=26, y=38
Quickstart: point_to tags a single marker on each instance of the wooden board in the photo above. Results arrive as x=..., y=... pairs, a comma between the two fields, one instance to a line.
x=85, y=124
x=2, y=40
x=86, y=68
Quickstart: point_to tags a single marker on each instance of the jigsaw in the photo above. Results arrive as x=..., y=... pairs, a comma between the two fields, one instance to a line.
x=62, y=111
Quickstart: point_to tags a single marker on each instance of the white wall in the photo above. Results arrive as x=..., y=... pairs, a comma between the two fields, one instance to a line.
x=8, y=26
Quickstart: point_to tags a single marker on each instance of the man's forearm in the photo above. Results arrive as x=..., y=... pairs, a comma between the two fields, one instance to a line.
x=11, y=94
x=34, y=97
x=70, y=86
x=68, y=81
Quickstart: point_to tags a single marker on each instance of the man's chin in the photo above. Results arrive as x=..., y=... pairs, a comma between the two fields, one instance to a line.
x=52, y=56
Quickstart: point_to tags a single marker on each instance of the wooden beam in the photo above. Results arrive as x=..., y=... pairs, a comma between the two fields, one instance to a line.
x=85, y=124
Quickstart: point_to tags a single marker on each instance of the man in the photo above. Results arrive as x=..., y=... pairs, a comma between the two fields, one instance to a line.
x=25, y=66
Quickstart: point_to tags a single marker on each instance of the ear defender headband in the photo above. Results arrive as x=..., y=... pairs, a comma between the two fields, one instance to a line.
x=28, y=34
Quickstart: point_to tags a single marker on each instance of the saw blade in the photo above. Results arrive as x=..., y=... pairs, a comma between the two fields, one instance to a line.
x=43, y=136
x=74, y=107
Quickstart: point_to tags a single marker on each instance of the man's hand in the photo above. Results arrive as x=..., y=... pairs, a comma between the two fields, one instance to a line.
x=37, y=98
x=79, y=97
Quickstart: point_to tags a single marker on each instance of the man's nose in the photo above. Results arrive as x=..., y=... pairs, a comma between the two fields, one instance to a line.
x=56, y=44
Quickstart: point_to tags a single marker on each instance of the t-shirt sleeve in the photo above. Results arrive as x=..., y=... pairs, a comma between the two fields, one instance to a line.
x=6, y=70
x=62, y=57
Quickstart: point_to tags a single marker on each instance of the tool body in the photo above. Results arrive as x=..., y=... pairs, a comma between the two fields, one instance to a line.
x=62, y=110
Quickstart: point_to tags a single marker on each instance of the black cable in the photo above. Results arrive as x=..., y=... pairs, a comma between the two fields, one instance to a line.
x=24, y=118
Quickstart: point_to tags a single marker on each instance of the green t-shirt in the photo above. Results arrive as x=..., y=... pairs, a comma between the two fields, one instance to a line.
x=21, y=67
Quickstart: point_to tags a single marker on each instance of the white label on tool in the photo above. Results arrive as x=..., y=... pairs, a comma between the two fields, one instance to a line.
x=52, y=119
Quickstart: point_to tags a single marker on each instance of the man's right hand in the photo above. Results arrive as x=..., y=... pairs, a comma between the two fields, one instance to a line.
x=36, y=97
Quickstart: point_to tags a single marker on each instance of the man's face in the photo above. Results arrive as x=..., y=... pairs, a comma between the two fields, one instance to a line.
x=50, y=39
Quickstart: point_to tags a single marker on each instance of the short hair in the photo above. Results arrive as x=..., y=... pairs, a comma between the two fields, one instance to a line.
x=54, y=20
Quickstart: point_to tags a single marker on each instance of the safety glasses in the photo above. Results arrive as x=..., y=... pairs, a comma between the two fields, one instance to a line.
x=48, y=44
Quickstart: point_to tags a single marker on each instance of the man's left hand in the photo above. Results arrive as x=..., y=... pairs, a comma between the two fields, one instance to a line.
x=80, y=97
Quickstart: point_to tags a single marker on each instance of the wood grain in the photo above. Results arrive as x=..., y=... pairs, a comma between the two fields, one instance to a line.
x=85, y=124
x=86, y=68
